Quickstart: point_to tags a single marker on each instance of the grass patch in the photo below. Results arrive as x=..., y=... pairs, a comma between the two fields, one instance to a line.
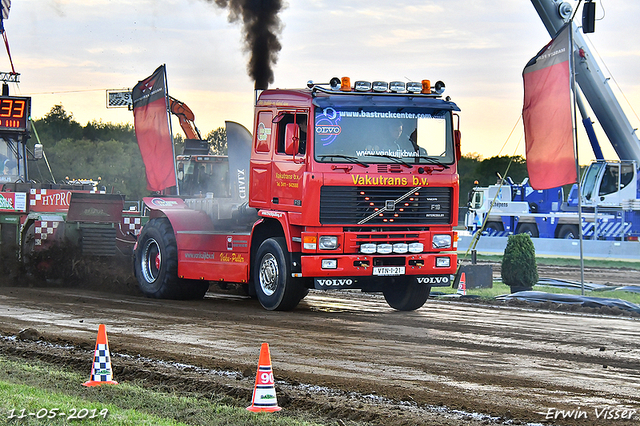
x=499, y=289
x=562, y=261
x=40, y=388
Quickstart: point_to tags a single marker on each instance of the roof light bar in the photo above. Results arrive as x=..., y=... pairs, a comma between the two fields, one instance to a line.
x=426, y=87
x=344, y=85
x=397, y=86
x=414, y=87
x=362, y=86
x=335, y=83
x=380, y=86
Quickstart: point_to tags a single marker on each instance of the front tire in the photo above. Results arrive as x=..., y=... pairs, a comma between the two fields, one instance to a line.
x=406, y=294
x=156, y=265
x=275, y=288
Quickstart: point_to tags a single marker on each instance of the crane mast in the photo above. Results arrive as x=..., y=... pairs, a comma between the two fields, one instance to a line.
x=593, y=84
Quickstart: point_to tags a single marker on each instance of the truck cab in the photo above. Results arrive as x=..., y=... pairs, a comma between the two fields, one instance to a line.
x=609, y=183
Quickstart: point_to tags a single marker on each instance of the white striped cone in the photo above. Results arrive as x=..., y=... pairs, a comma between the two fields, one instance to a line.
x=264, y=391
x=462, y=287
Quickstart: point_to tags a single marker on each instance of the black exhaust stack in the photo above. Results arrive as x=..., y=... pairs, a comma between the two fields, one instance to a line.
x=261, y=27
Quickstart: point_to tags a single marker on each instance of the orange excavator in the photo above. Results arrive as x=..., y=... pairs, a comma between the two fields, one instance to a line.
x=186, y=117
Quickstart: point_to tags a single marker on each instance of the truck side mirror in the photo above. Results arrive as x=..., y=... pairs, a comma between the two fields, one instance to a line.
x=38, y=151
x=457, y=138
x=291, y=138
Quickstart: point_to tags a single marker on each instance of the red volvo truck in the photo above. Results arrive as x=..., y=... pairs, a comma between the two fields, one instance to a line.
x=341, y=186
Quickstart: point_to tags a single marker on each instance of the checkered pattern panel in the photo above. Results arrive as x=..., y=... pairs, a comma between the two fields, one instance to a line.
x=131, y=224
x=101, y=371
x=44, y=230
x=37, y=196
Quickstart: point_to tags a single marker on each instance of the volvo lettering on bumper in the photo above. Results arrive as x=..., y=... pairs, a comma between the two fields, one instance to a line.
x=327, y=283
x=435, y=280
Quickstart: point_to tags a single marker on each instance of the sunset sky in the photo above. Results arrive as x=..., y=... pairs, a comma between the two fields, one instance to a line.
x=70, y=52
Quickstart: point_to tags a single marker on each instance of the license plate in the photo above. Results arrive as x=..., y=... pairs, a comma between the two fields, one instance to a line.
x=388, y=270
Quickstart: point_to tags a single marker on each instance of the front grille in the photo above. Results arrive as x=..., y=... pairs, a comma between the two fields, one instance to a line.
x=366, y=205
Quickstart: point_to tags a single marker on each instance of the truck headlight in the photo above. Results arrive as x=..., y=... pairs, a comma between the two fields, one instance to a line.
x=441, y=241
x=328, y=242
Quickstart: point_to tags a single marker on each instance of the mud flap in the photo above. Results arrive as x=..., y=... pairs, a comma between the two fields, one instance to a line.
x=434, y=280
x=476, y=276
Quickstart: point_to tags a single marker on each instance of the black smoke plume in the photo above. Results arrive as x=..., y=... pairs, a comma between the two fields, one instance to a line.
x=261, y=27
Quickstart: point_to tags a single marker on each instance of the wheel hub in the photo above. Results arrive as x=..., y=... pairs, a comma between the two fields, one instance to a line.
x=269, y=274
x=151, y=261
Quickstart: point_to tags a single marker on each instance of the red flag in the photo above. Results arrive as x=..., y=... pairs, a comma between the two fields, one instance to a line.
x=548, y=128
x=151, y=123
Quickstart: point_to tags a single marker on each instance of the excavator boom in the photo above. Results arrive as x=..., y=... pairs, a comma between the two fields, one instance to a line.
x=186, y=117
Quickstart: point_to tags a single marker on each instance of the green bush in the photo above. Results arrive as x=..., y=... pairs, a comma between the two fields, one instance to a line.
x=519, y=270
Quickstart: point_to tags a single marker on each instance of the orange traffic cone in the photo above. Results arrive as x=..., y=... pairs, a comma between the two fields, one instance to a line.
x=462, y=287
x=101, y=372
x=264, y=391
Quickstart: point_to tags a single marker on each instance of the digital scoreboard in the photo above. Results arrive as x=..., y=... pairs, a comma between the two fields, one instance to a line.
x=14, y=113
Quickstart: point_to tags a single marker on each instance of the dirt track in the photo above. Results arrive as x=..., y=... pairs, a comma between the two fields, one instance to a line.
x=348, y=356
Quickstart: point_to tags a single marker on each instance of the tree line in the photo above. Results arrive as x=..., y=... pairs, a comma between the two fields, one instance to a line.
x=106, y=151
x=110, y=152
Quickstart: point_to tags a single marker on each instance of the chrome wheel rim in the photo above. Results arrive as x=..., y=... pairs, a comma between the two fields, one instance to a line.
x=269, y=274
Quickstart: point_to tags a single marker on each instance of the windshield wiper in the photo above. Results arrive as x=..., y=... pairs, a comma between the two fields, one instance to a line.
x=396, y=159
x=431, y=160
x=345, y=157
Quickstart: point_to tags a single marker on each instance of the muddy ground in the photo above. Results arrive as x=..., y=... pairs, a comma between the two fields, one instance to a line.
x=346, y=356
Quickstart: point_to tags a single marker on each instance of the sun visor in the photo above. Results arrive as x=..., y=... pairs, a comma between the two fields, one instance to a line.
x=384, y=101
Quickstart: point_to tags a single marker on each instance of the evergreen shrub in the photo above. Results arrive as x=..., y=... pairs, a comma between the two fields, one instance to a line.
x=519, y=269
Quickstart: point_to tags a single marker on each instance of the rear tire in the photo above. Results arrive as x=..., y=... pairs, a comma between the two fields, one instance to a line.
x=568, y=232
x=405, y=294
x=492, y=228
x=275, y=288
x=156, y=265
x=528, y=228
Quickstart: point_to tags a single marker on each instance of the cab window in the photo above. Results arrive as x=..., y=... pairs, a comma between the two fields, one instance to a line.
x=288, y=118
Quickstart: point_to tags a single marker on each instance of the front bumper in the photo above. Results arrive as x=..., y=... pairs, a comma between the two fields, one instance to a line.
x=364, y=271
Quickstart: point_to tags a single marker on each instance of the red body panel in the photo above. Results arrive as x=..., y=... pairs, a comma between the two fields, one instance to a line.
x=49, y=200
x=203, y=252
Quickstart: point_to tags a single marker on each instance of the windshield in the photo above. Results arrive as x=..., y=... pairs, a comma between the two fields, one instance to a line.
x=8, y=160
x=202, y=175
x=590, y=177
x=383, y=135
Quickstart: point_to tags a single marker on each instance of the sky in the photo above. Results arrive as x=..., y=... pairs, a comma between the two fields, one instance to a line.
x=70, y=52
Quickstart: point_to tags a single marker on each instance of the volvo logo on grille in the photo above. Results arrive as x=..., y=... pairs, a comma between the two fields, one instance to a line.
x=390, y=205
